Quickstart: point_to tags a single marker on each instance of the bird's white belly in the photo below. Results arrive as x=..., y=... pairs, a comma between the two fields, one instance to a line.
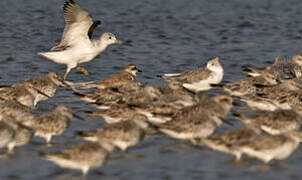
x=72, y=56
x=82, y=55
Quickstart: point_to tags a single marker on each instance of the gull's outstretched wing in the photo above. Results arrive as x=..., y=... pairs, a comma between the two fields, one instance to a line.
x=78, y=24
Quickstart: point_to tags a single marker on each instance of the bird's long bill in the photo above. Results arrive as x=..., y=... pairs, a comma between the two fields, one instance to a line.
x=36, y=89
x=227, y=122
x=138, y=70
x=78, y=117
x=123, y=42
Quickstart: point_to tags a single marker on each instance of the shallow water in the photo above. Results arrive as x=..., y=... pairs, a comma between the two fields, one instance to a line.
x=168, y=36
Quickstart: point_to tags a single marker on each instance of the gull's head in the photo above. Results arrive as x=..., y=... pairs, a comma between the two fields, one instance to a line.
x=109, y=38
x=131, y=68
x=215, y=65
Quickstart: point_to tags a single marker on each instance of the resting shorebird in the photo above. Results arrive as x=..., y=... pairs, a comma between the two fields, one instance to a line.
x=199, y=79
x=76, y=45
x=127, y=75
x=281, y=68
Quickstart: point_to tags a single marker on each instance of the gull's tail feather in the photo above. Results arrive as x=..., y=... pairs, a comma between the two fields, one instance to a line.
x=54, y=56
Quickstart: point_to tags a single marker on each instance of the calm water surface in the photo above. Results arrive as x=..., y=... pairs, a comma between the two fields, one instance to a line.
x=168, y=36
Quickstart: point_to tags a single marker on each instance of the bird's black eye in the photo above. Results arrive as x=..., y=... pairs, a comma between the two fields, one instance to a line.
x=110, y=37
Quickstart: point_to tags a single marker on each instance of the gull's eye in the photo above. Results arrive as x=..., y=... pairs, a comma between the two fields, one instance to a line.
x=110, y=37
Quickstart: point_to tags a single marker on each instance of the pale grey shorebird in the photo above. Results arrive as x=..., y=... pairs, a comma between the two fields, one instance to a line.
x=224, y=142
x=51, y=124
x=199, y=79
x=76, y=45
x=273, y=122
x=269, y=147
x=198, y=121
x=81, y=157
x=247, y=85
x=123, y=134
x=281, y=68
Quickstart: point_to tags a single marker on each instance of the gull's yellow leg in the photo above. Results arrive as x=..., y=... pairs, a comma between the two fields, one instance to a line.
x=83, y=70
x=65, y=75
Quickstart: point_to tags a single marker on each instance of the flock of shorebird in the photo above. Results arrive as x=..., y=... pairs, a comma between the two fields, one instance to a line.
x=183, y=109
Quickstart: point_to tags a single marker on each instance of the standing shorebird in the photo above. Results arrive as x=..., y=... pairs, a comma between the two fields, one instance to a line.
x=123, y=134
x=76, y=45
x=52, y=124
